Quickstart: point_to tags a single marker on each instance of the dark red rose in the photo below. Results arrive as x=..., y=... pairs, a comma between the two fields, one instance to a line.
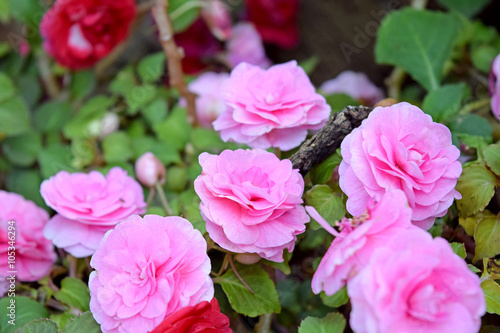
x=203, y=317
x=276, y=20
x=78, y=33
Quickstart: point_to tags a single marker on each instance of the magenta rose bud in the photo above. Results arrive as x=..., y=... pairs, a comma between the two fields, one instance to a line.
x=270, y=108
x=245, y=45
x=251, y=202
x=21, y=240
x=147, y=269
x=87, y=206
x=150, y=170
x=495, y=87
x=400, y=147
x=416, y=284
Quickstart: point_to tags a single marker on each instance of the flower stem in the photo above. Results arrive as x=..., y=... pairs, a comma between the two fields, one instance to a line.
x=264, y=324
x=230, y=257
x=163, y=199
x=47, y=76
x=150, y=196
x=476, y=105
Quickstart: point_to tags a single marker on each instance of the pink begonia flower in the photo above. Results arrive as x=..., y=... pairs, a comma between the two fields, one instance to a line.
x=245, y=45
x=353, y=247
x=218, y=18
x=251, y=202
x=271, y=108
x=150, y=170
x=495, y=87
x=88, y=205
x=401, y=147
x=147, y=269
x=209, y=101
x=34, y=254
x=416, y=284
x=356, y=85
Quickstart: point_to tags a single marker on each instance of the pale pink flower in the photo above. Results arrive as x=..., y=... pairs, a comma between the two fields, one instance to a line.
x=495, y=87
x=245, y=45
x=356, y=85
x=88, y=205
x=150, y=170
x=34, y=254
x=251, y=202
x=218, y=18
x=417, y=284
x=209, y=100
x=401, y=147
x=352, y=248
x=147, y=269
x=271, y=108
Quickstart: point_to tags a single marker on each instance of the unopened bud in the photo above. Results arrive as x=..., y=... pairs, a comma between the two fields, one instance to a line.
x=150, y=170
x=218, y=18
x=248, y=258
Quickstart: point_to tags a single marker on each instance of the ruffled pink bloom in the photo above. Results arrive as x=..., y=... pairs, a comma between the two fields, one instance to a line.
x=209, y=101
x=147, y=269
x=417, y=284
x=88, y=205
x=245, y=45
x=495, y=87
x=401, y=147
x=34, y=254
x=356, y=85
x=353, y=247
x=251, y=202
x=218, y=18
x=271, y=108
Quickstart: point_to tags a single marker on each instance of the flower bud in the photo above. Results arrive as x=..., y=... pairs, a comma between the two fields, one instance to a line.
x=150, y=170
x=218, y=18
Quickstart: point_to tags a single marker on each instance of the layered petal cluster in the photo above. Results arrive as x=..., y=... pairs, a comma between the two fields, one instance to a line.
x=417, y=284
x=495, y=87
x=34, y=254
x=204, y=317
x=87, y=206
x=270, y=108
x=356, y=85
x=245, y=45
x=401, y=147
x=251, y=202
x=79, y=33
x=353, y=247
x=146, y=269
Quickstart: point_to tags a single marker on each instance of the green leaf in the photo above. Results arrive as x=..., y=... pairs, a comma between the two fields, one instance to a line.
x=336, y=300
x=82, y=84
x=443, y=102
x=265, y=298
x=487, y=238
x=491, y=291
x=183, y=13
x=467, y=7
x=482, y=57
x=138, y=97
x=123, y=82
x=176, y=179
x=477, y=186
x=283, y=266
x=492, y=157
x=7, y=88
x=328, y=204
x=339, y=101
x=27, y=11
x=4, y=11
x=55, y=158
x=419, y=41
x=22, y=149
x=332, y=323
x=471, y=124
x=74, y=293
x=156, y=211
x=165, y=153
x=175, y=130
x=156, y=111
x=93, y=110
x=27, y=183
x=62, y=319
x=205, y=139
x=469, y=223
x=26, y=310
x=322, y=173
x=117, y=147
x=14, y=117
x=52, y=116
x=39, y=326
x=152, y=67
x=473, y=269
x=82, y=323
x=459, y=249
x=309, y=64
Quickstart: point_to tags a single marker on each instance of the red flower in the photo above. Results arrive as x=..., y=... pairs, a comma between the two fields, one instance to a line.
x=203, y=317
x=276, y=20
x=78, y=33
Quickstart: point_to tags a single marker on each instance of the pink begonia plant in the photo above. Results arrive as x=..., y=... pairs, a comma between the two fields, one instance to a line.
x=33, y=255
x=356, y=85
x=416, y=284
x=245, y=45
x=401, y=147
x=147, y=269
x=495, y=87
x=87, y=206
x=353, y=247
x=251, y=202
x=270, y=108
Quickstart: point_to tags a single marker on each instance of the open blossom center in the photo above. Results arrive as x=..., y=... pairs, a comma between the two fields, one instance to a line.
x=425, y=304
x=146, y=272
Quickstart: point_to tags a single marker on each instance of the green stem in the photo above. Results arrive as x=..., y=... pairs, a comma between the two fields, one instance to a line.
x=185, y=7
x=150, y=196
x=264, y=324
x=476, y=105
x=230, y=257
x=163, y=199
